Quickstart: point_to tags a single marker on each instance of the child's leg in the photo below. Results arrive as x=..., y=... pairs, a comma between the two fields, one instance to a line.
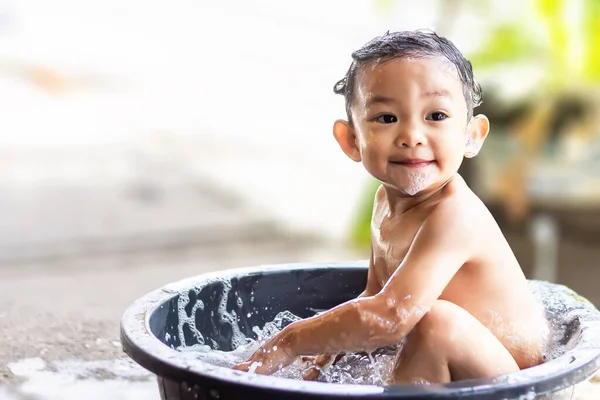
x=449, y=344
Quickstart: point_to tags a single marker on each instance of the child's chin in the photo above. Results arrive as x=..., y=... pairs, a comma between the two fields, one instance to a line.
x=406, y=190
x=412, y=192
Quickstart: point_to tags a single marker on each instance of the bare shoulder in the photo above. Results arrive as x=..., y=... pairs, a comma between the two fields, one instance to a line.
x=459, y=212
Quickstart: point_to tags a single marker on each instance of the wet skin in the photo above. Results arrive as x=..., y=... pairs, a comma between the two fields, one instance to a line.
x=440, y=268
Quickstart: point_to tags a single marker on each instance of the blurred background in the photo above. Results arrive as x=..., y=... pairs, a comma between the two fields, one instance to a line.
x=145, y=141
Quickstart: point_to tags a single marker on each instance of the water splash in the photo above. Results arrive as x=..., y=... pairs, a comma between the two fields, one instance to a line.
x=564, y=310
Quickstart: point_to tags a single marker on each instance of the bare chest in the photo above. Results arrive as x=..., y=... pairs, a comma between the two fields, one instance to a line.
x=391, y=239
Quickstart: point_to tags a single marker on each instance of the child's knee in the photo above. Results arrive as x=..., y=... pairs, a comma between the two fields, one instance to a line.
x=441, y=323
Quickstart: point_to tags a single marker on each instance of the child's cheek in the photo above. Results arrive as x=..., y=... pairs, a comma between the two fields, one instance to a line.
x=366, y=139
x=371, y=138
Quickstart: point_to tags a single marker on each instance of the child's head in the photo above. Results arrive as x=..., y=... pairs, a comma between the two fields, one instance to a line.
x=409, y=100
x=413, y=44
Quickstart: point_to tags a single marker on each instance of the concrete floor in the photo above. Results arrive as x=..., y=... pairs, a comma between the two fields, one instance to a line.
x=76, y=252
x=60, y=326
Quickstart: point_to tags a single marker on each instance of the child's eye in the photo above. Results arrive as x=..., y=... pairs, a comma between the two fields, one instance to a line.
x=386, y=119
x=437, y=116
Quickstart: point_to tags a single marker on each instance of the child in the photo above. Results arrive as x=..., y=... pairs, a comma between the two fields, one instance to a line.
x=441, y=274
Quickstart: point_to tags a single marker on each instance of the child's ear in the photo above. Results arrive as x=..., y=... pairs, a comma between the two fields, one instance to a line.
x=477, y=131
x=346, y=137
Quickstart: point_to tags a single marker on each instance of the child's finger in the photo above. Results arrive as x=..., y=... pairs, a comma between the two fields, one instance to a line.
x=245, y=366
x=322, y=360
x=318, y=363
x=311, y=373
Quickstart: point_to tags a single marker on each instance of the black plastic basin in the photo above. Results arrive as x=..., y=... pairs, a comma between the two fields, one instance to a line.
x=151, y=331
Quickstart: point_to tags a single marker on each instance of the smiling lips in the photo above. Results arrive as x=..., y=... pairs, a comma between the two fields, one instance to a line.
x=413, y=162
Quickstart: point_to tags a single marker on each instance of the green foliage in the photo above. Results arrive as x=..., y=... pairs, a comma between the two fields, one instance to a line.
x=591, y=34
x=360, y=236
x=515, y=43
x=507, y=44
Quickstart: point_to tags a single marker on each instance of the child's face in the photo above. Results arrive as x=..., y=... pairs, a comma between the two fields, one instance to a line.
x=410, y=123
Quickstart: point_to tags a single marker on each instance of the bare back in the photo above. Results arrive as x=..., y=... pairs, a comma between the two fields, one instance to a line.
x=490, y=285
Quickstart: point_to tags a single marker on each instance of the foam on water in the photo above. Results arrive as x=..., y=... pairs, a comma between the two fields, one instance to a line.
x=366, y=369
x=370, y=369
x=563, y=308
x=189, y=318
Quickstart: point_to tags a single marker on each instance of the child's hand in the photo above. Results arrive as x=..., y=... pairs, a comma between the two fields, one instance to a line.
x=316, y=365
x=271, y=357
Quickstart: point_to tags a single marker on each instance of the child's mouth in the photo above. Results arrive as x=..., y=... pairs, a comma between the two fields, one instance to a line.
x=413, y=163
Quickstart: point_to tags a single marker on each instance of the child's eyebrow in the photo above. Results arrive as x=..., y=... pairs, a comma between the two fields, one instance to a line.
x=379, y=99
x=437, y=93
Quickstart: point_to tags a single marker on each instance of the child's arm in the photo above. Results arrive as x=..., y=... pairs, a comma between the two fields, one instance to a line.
x=441, y=246
x=319, y=362
x=371, y=288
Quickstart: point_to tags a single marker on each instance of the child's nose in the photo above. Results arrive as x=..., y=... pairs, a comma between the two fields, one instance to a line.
x=410, y=136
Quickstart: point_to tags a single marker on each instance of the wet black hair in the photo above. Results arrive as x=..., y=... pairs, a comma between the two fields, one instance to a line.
x=409, y=44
